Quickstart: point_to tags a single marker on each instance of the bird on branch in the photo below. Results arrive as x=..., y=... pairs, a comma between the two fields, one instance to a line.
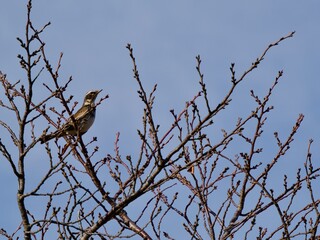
x=81, y=121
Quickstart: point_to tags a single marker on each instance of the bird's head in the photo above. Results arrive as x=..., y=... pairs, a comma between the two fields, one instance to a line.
x=91, y=97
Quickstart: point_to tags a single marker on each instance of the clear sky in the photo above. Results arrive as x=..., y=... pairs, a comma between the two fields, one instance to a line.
x=166, y=37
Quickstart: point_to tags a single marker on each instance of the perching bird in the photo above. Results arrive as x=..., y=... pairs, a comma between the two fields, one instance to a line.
x=84, y=119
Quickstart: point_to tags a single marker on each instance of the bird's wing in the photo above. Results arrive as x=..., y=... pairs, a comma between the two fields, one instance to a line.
x=69, y=126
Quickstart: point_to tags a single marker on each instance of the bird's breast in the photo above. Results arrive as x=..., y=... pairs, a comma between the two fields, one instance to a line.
x=88, y=122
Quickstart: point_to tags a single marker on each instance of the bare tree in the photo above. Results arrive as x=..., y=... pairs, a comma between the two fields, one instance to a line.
x=185, y=177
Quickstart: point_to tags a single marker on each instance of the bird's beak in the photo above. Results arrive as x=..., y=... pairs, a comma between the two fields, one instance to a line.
x=99, y=91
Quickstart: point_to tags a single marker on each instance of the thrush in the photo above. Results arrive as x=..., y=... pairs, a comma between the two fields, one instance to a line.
x=83, y=119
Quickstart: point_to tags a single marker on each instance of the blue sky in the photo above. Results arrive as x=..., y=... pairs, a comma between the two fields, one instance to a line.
x=166, y=37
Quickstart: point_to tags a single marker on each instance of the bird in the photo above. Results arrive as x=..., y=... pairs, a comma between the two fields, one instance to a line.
x=83, y=119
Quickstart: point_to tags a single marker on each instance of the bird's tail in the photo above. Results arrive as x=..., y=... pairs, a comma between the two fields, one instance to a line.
x=50, y=136
x=47, y=138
